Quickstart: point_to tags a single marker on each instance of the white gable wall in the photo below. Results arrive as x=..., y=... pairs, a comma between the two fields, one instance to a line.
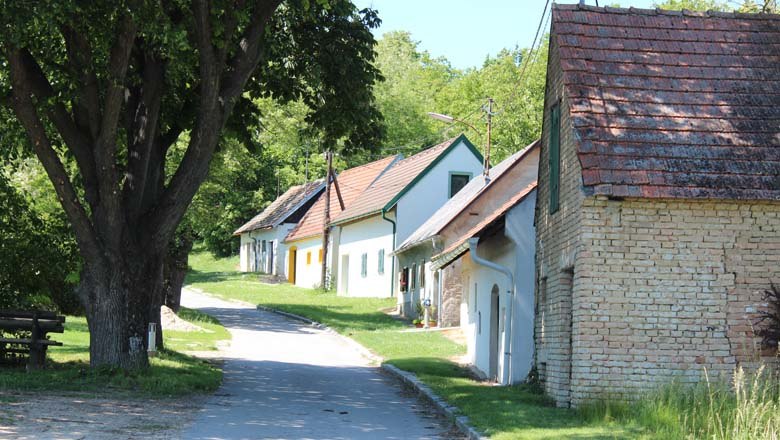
x=478, y=285
x=251, y=256
x=367, y=236
x=433, y=190
x=421, y=201
x=308, y=268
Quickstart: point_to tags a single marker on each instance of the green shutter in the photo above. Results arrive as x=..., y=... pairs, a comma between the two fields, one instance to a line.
x=555, y=157
x=364, y=265
x=381, y=268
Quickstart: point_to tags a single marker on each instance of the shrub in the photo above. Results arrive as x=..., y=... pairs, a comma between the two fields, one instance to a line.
x=768, y=323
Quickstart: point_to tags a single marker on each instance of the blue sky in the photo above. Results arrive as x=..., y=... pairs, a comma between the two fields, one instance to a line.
x=466, y=31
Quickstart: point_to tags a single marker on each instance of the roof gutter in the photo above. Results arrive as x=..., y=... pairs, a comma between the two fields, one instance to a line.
x=392, y=261
x=473, y=242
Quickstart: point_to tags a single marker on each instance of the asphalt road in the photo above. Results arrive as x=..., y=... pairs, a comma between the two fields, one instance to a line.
x=287, y=380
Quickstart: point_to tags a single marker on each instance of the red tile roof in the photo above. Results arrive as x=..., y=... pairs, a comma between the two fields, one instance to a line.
x=283, y=206
x=352, y=183
x=396, y=180
x=673, y=104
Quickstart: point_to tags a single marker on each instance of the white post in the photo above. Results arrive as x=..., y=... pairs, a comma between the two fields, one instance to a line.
x=152, y=345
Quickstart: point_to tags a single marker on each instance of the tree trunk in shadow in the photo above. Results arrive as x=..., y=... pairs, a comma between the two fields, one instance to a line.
x=175, y=270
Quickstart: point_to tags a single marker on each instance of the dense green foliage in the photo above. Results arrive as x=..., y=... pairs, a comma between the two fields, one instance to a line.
x=417, y=83
x=38, y=255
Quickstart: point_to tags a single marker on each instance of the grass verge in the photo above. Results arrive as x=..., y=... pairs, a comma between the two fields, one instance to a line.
x=520, y=412
x=171, y=373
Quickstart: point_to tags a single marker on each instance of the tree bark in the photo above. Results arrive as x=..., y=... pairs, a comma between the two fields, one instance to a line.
x=176, y=269
x=120, y=302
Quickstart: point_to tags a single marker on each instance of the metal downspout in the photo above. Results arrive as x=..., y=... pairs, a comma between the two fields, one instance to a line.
x=392, y=260
x=505, y=379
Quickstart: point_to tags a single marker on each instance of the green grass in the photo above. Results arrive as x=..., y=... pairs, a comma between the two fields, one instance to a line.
x=745, y=408
x=170, y=373
x=520, y=412
x=196, y=341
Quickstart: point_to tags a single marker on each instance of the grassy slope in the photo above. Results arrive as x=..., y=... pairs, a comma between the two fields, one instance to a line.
x=505, y=413
x=171, y=373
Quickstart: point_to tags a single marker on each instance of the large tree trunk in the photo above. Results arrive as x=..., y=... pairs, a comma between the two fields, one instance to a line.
x=176, y=265
x=121, y=300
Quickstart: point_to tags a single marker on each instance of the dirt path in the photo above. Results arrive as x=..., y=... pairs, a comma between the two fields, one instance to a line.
x=28, y=416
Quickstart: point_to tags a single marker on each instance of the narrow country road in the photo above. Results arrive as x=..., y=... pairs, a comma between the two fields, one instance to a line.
x=287, y=380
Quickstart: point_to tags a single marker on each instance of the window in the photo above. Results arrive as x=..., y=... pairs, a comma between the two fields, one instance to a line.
x=319, y=256
x=263, y=246
x=381, y=265
x=405, y=279
x=422, y=274
x=308, y=257
x=364, y=265
x=458, y=181
x=414, y=276
x=555, y=157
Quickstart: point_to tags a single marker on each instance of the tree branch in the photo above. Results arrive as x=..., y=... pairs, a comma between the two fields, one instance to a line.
x=215, y=106
x=109, y=212
x=86, y=108
x=143, y=132
x=248, y=54
x=76, y=141
x=24, y=108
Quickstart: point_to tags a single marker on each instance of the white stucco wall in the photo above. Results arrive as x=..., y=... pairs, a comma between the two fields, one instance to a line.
x=478, y=285
x=274, y=238
x=306, y=275
x=432, y=191
x=366, y=236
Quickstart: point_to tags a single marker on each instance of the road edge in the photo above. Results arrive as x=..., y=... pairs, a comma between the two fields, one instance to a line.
x=406, y=378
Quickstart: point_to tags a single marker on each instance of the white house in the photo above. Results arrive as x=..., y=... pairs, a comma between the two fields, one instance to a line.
x=390, y=209
x=305, y=252
x=497, y=273
x=482, y=196
x=262, y=246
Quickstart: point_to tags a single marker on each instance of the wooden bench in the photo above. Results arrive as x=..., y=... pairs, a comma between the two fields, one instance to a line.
x=38, y=323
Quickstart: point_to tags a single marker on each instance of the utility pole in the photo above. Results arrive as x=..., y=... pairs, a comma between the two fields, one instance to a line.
x=487, y=149
x=326, y=221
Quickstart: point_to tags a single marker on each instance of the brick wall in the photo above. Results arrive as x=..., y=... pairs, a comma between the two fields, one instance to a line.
x=665, y=288
x=556, y=248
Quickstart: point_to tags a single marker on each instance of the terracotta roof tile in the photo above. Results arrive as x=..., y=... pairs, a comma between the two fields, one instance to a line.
x=352, y=182
x=673, y=104
x=282, y=207
x=395, y=180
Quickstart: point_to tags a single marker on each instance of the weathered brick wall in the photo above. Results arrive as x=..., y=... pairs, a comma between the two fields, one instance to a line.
x=452, y=293
x=556, y=248
x=665, y=288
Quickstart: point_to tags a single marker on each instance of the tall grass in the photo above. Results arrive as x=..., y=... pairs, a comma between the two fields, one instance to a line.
x=745, y=408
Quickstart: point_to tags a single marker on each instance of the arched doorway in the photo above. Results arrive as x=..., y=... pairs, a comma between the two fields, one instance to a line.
x=293, y=253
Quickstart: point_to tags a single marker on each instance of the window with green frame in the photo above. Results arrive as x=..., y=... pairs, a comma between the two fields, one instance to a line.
x=457, y=181
x=364, y=265
x=381, y=264
x=555, y=157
